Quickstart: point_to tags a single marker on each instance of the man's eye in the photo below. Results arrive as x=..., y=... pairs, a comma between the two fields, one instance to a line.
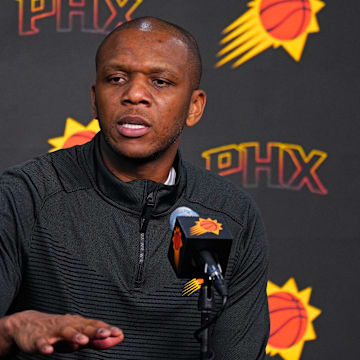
x=117, y=80
x=160, y=83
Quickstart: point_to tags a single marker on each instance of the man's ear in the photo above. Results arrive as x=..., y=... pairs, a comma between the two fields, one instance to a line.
x=197, y=106
x=93, y=102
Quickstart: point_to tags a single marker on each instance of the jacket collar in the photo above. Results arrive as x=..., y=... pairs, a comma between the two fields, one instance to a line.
x=132, y=195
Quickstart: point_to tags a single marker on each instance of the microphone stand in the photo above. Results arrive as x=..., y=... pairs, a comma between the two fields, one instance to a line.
x=206, y=304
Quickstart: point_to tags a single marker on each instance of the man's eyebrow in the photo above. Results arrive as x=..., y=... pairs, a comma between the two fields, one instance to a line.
x=113, y=67
x=161, y=70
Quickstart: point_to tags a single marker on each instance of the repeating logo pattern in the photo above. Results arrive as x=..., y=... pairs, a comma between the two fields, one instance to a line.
x=275, y=23
x=267, y=23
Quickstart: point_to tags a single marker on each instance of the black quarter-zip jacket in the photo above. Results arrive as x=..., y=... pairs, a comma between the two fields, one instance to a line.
x=75, y=239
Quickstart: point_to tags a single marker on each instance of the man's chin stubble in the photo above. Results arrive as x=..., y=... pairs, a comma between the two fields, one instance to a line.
x=146, y=158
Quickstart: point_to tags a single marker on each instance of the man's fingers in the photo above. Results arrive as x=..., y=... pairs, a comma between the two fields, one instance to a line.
x=68, y=333
x=46, y=333
x=96, y=332
x=100, y=330
x=43, y=346
x=103, y=344
x=98, y=324
x=115, y=332
x=102, y=333
x=66, y=346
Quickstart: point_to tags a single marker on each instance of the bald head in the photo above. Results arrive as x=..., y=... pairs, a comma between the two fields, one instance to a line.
x=149, y=24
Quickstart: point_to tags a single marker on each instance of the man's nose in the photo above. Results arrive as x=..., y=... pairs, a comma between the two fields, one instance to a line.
x=136, y=91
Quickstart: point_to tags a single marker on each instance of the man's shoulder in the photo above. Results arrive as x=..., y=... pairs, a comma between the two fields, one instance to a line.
x=216, y=192
x=207, y=181
x=47, y=173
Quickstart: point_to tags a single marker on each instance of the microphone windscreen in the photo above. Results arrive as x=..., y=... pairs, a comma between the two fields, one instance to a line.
x=181, y=211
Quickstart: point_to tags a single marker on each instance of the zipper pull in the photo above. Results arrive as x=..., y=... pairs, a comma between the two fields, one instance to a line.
x=147, y=210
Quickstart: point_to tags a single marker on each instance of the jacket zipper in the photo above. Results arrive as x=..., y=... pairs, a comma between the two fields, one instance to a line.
x=146, y=213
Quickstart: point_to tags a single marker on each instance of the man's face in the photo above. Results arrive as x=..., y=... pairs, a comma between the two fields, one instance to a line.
x=142, y=92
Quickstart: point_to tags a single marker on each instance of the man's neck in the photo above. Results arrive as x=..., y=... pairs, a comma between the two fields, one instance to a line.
x=128, y=169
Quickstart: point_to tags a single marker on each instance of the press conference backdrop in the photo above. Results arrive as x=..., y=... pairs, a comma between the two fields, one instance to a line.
x=282, y=78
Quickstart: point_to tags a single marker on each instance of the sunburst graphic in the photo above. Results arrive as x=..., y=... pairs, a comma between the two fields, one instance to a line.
x=75, y=134
x=192, y=286
x=276, y=23
x=291, y=319
x=203, y=226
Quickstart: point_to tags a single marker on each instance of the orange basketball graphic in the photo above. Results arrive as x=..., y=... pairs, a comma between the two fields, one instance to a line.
x=79, y=138
x=208, y=225
x=203, y=226
x=270, y=23
x=291, y=319
x=288, y=320
x=285, y=19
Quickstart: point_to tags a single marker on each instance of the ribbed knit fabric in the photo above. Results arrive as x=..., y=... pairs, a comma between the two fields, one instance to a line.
x=69, y=243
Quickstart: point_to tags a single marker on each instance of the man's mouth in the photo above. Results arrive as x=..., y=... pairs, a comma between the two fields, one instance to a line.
x=133, y=126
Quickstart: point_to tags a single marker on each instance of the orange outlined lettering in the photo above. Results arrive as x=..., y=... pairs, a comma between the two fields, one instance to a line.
x=284, y=166
x=95, y=16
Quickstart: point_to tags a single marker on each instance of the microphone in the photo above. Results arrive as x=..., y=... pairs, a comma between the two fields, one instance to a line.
x=200, y=247
x=214, y=271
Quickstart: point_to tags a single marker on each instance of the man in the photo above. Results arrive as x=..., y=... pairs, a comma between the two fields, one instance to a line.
x=84, y=232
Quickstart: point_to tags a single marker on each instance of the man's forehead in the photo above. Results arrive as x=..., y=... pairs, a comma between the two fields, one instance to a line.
x=146, y=35
x=150, y=44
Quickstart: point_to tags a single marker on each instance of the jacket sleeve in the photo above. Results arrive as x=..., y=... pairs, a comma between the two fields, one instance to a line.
x=241, y=332
x=16, y=221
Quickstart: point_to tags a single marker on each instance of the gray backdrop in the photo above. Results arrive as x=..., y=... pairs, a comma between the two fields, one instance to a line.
x=309, y=201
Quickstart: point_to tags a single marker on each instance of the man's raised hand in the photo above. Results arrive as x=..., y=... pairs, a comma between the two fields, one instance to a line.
x=36, y=332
